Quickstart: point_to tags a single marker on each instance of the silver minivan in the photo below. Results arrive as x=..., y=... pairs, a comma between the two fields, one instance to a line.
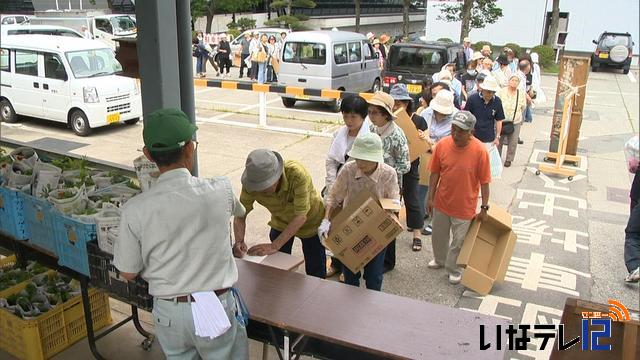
x=338, y=60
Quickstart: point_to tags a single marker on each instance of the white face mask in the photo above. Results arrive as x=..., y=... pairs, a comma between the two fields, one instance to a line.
x=471, y=72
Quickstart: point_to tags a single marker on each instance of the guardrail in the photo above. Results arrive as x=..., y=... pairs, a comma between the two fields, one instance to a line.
x=263, y=89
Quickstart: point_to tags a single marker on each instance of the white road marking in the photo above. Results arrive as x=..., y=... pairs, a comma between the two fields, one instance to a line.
x=632, y=77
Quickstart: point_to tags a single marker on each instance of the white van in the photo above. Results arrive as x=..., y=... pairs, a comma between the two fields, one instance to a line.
x=65, y=79
x=338, y=60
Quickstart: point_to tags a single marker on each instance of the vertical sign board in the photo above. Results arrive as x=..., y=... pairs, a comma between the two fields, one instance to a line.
x=574, y=72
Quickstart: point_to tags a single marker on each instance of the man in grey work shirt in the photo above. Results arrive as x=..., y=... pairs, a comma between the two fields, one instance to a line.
x=245, y=53
x=176, y=236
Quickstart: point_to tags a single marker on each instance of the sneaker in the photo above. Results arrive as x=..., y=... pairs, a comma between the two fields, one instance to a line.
x=427, y=230
x=520, y=142
x=633, y=276
x=455, y=279
x=434, y=265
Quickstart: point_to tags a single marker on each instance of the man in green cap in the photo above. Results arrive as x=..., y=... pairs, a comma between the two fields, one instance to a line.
x=176, y=236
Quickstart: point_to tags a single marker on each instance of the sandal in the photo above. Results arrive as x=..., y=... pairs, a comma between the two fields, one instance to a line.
x=417, y=244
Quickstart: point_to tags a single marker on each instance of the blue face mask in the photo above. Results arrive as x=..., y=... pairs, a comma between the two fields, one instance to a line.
x=471, y=72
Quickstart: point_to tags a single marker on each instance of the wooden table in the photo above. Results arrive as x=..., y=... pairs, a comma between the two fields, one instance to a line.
x=372, y=324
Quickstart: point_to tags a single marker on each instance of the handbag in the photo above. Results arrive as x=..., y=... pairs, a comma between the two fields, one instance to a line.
x=508, y=127
x=260, y=56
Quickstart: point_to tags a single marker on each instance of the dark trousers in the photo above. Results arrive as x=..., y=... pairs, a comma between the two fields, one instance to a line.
x=373, y=273
x=415, y=212
x=271, y=74
x=315, y=260
x=390, y=256
x=254, y=70
x=223, y=62
x=632, y=240
x=243, y=65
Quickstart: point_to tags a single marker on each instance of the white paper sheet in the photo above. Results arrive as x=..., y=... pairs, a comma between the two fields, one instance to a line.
x=209, y=317
x=256, y=259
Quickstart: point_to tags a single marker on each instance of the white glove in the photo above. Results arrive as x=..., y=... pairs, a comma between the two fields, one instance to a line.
x=323, y=230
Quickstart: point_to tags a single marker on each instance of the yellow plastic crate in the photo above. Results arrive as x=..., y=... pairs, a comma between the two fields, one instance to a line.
x=54, y=331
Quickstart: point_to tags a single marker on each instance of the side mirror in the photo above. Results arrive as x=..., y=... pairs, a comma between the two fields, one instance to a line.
x=595, y=42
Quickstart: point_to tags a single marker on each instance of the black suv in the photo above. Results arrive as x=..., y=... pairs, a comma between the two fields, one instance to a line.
x=613, y=49
x=409, y=63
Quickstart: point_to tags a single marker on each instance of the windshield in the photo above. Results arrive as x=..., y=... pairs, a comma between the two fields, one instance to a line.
x=90, y=63
x=304, y=53
x=615, y=40
x=415, y=59
x=123, y=24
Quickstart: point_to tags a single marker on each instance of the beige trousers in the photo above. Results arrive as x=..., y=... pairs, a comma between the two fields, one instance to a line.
x=445, y=252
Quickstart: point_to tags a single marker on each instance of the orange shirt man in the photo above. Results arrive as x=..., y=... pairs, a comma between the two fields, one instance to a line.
x=459, y=169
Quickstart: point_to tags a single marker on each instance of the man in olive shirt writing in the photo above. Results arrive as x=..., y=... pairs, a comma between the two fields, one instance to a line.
x=285, y=188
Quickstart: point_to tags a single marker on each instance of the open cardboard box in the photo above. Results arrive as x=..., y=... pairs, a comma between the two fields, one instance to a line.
x=487, y=250
x=624, y=340
x=417, y=146
x=362, y=229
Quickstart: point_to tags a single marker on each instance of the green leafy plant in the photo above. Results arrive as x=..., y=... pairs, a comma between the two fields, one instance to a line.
x=289, y=19
x=446, y=40
x=473, y=14
x=546, y=55
x=478, y=46
x=133, y=185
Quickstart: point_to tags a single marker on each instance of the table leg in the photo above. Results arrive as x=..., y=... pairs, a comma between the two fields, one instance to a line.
x=84, y=290
x=265, y=351
x=287, y=348
x=275, y=343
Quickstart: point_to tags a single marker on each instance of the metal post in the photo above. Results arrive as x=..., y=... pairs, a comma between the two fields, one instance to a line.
x=287, y=354
x=263, y=109
x=185, y=67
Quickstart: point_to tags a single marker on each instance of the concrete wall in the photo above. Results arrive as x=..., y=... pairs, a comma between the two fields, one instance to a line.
x=523, y=22
x=378, y=24
x=220, y=21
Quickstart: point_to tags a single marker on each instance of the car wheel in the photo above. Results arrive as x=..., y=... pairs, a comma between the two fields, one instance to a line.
x=376, y=86
x=132, y=121
x=79, y=123
x=7, y=113
x=288, y=102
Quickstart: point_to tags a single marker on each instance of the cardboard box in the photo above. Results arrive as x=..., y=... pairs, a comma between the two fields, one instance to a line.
x=487, y=250
x=417, y=146
x=624, y=339
x=360, y=231
x=425, y=164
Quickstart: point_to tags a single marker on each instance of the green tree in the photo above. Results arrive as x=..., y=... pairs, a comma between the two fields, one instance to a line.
x=288, y=19
x=200, y=8
x=405, y=18
x=474, y=14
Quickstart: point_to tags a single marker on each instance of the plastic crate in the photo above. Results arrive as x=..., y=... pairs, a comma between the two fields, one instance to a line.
x=10, y=262
x=43, y=337
x=71, y=237
x=38, y=215
x=104, y=275
x=12, y=220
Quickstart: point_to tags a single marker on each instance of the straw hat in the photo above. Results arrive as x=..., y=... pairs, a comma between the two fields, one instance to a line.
x=477, y=56
x=367, y=146
x=376, y=41
x=445, y=75
x=370, y=35
x=383, y=100
x=443, y=102
x=384, y=38
x=466, y=40
x=486, y=48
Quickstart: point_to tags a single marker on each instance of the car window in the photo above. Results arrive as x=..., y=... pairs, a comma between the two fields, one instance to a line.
x=8, y=21
x=5, y=60
x=104, y=25
x=305, y=53
x=416, y=59
x=90, y=63
x=340, y=53
x=18, y=32
x=53, y=67
x=26, y=62
x=611, y=40
x=355, y=52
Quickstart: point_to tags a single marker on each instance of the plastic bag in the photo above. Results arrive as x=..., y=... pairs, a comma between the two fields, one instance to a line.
x=69, y=201
x=632, y=153
x=496, y=162
x=24, y=156
x=46, y=178
x=19, y=176
x=146, y=171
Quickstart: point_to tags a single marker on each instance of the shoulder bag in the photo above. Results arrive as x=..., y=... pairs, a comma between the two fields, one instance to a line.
x=508, y=127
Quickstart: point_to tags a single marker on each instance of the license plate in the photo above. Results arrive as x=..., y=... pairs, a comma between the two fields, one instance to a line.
x=302, y=97
x=113, y=118
x=603, y=56
x=414, y=89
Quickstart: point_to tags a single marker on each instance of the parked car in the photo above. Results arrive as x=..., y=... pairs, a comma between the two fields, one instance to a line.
x=236, y=43
x=409, y=63
x=14, y=19
x=338, y=60
x=614, y=50
x=38, y=30
x=64, y=79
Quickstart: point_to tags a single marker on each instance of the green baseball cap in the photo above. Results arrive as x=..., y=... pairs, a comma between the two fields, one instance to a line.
x=167, y=129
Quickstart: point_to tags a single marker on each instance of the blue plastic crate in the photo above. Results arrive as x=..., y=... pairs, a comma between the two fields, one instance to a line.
x=38, y=215
x=72, y=237
x=12, y=220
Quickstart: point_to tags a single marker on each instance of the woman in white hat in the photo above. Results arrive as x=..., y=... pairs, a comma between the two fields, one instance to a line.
x=513, y=104
x=367, y=172
x=410, y=180
x=394, y=144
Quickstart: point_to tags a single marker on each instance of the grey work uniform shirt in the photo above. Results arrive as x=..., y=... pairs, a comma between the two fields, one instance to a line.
x=177, y=235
